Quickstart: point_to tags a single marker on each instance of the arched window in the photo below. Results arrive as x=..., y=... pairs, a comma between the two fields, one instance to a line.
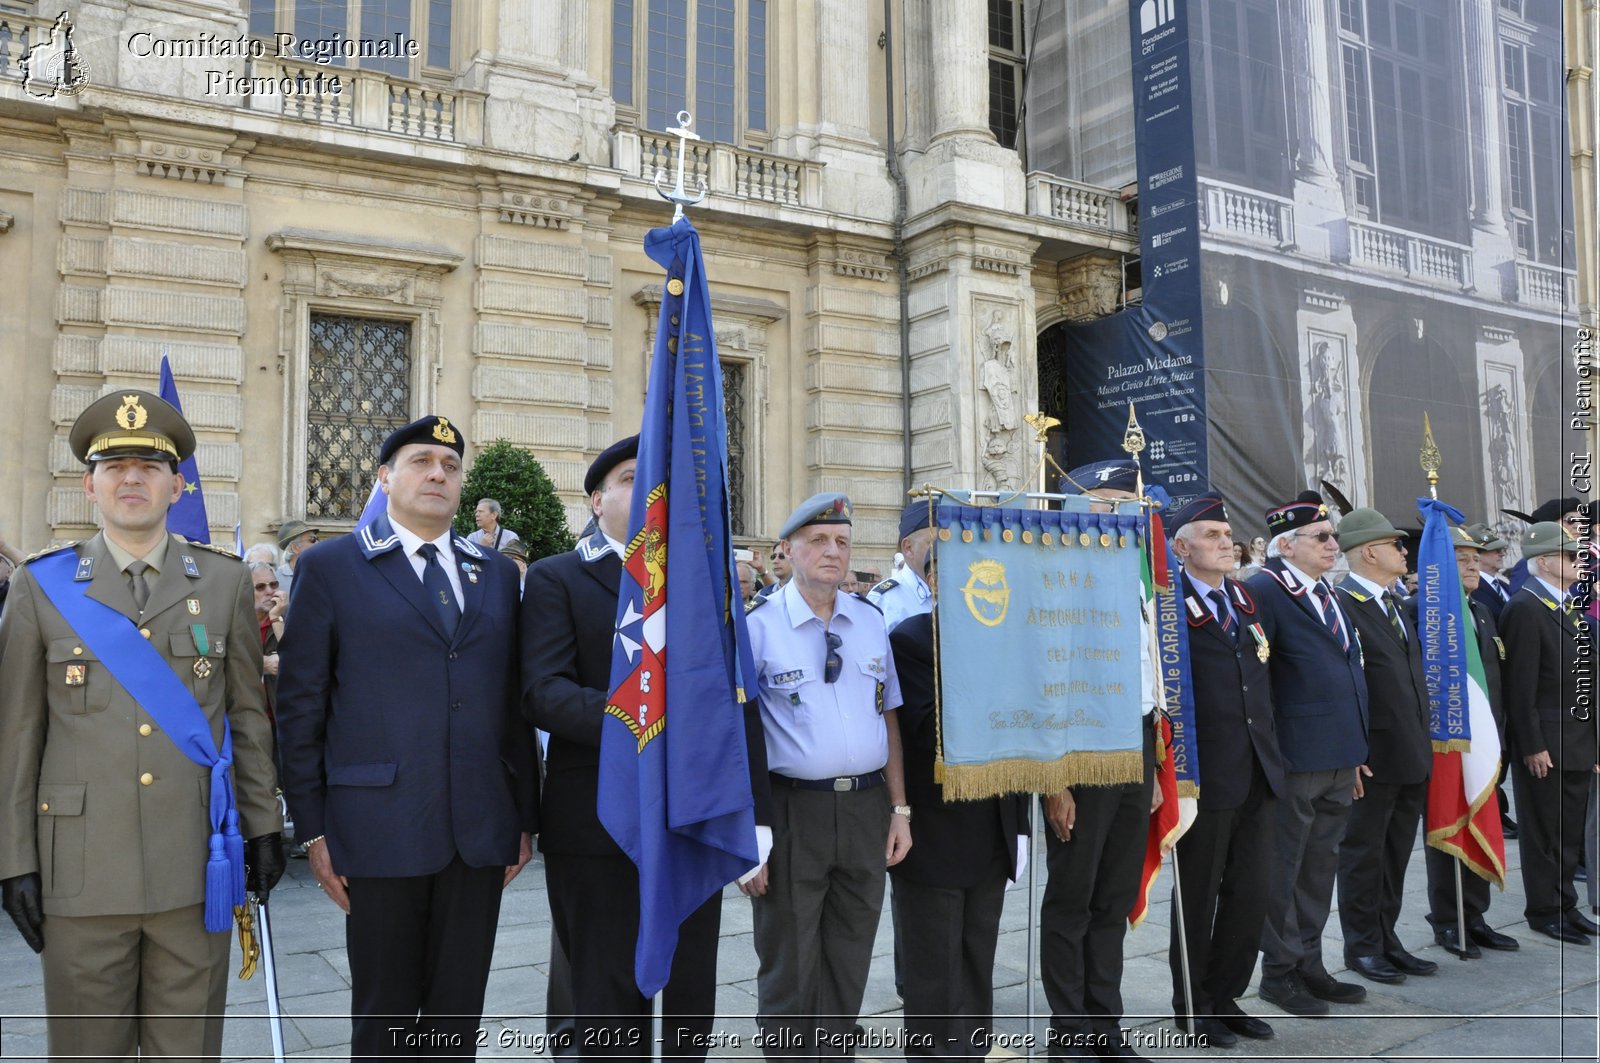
x=708, y=57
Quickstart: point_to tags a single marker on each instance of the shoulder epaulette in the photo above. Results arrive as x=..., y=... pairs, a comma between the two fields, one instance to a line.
x=229, y=554
x=869, y=601
x=47, y=551
x=885, y=586
x=756, y=603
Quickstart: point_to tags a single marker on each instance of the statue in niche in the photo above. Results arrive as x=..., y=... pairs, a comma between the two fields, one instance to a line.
x=1325, y=416
x=997, y=379
x=1499, y=417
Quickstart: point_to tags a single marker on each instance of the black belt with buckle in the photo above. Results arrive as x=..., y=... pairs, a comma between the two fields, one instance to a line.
x=841, y=785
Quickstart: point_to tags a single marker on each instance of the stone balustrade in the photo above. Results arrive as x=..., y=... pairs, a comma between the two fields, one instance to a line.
x=720, y=169
x=1546, y=286
x=1076, y=203
x=1421, y=258
x=367, y=99
x=1247, y=214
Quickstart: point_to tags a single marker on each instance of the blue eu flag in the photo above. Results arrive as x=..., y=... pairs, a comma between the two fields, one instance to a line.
x=187, y=516
x=674, y=775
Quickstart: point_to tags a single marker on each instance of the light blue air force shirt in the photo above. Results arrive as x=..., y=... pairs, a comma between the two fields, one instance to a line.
x=901, y=596
x=816, y=729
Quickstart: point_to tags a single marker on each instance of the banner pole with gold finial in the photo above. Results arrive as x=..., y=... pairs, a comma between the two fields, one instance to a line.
x=1431, y=460
x=1133, y=443
x=1041, y=423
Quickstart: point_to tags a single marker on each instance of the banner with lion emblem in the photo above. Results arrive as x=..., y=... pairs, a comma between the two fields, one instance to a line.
x=1038, y=645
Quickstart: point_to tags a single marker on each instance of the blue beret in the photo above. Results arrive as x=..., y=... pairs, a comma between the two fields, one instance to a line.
x=1119, y=474
x=609, y=459
x=1207, y=505
x=433, y=430
x=917, y=515
x=829, y=507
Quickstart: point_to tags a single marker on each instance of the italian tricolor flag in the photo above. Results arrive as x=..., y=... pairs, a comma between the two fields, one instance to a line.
x=1463, y=812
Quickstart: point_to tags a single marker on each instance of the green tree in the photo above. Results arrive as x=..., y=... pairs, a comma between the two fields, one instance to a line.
x=528, y=500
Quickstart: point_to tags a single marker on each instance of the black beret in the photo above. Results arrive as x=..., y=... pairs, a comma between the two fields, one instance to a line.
x=1207, y=505
x=609, y=459
x=1306, y=509
x=433, y=430
x=1555, y=509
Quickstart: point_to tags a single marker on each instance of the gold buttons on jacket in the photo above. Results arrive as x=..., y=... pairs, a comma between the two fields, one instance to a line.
x=145, y=632
x=77, y=651
x=146, y=779
x=144, y=730
x=44, y=806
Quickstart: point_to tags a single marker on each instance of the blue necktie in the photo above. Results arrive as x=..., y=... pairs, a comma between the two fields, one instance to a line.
x=1330, y=615
x=1224, y=614
x=437, y=584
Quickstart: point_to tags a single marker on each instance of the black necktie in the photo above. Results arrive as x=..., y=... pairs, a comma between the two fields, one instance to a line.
x=1394, y=615
x=1330, y=615
x=1224, y=614
x=137, y=584
x=437, y=584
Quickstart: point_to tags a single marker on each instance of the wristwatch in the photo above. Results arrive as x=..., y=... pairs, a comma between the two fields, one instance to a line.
x=902, y=810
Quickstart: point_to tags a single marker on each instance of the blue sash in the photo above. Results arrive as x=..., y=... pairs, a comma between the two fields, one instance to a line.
x=145, y=674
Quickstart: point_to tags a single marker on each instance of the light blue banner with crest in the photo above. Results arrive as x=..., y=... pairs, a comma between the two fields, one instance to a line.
x=1038, y=648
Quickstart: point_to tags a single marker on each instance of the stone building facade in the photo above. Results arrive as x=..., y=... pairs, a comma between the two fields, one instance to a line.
x=459, y=229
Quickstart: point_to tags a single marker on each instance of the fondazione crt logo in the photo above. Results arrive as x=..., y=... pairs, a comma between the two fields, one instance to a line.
x=53, y=67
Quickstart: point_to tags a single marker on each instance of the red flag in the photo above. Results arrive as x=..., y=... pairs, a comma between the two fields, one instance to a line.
x=1167, y=823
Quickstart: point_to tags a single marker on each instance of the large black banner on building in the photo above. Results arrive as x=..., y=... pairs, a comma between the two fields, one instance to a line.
x=1152, y=355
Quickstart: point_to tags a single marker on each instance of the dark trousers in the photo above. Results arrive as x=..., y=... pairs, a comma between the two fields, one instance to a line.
x=1093, y=880
x=948, y=942
x=815, y=926
x=1442, y=891
x=1305, y=860
x=419, y=950
x=594, y=906
x=1224, y=862
x=1378, y=839
x=1550, y=835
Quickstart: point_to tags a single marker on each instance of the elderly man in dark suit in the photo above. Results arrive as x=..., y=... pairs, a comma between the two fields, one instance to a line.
x=1319, y=697
x=569, y=611
x=948, y=892
x=1225, y=858
x=1392, y=785
x=1549, y=692
x=407, y=764
x=1470, y=542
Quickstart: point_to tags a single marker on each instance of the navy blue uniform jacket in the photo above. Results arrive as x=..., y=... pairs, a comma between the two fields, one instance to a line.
x=403, y=746
x=1233, y=718
x=1318, y=688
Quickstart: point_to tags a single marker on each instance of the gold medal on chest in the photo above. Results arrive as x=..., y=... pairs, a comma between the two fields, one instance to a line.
x=202, y=668
x=194, y=606
x=76, y=675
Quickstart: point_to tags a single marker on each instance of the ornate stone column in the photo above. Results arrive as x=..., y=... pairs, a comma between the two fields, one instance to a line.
x=1306, y=36
x=960, y=68
x=844, y=55
x=1484, y=115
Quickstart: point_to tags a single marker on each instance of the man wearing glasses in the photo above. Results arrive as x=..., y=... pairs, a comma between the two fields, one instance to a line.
x=778, y=575
x=828, y=695
x=1319, y=695
x=1549, y=694
x=295, y=537
x=1392, y=785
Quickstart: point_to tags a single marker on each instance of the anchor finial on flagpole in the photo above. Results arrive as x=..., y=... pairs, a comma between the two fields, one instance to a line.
x=677, y=195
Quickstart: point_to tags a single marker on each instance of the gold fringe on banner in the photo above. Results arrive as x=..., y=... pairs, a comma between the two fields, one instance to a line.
x=1187, y=788
x=1454, y=745
x=973, y=782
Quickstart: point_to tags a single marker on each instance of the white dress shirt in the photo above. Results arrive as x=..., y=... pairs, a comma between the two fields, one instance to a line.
x=411, y=542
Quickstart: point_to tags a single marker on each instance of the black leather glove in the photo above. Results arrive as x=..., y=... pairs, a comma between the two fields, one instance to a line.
x=22, y=904
x=263, y=862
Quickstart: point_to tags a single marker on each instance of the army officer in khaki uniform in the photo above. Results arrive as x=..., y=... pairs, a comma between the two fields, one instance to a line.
x=106, y=824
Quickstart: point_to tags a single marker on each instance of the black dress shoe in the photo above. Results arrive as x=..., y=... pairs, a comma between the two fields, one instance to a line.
x=1291, y=995
x=1212, y=1033
x=1448, y=938
x=1374, y=968
x=1578, y=921
x=1556, y=928
x=1242, y=1024
x=1489, y=938
x=1116, y=1048
x=1404, y=961
x=1324, y=986
x=1508, y=829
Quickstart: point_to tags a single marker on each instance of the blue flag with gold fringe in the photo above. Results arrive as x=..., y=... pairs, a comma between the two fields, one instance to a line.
x=187, y=516
x=674, y=774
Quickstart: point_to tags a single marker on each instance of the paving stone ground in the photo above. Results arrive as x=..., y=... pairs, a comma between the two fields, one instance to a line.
x=1539, y=1003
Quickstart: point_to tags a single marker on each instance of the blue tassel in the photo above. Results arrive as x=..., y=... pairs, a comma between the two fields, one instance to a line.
x=219, y=900
x=235, y=845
